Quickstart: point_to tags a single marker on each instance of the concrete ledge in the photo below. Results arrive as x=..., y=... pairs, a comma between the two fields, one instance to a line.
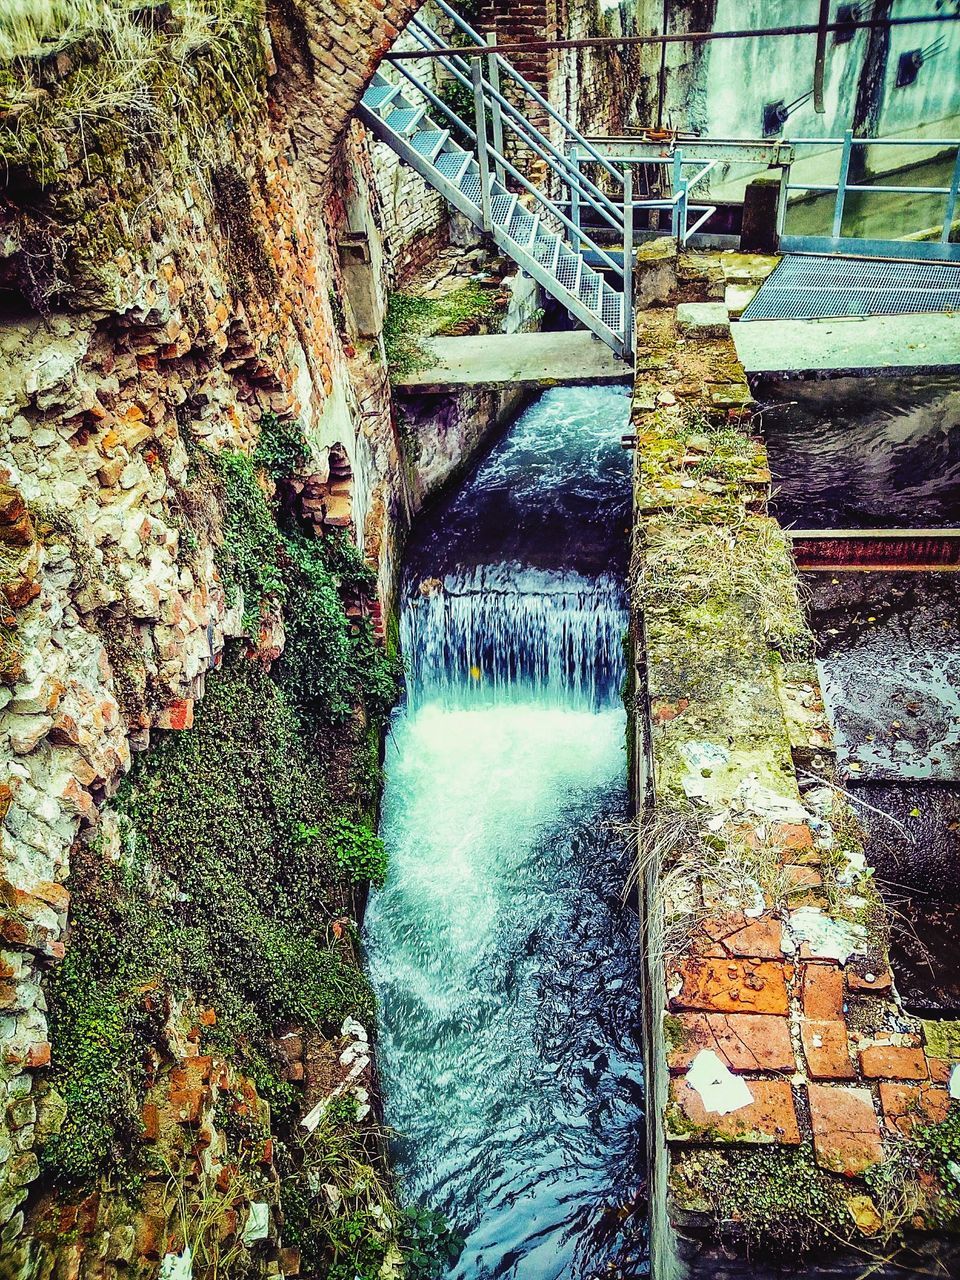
x=895, y=344
x=532, y=360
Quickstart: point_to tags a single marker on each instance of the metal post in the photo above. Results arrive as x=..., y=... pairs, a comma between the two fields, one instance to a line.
x=575, y=185
x=674, y=190
x=782, y=197
x=493, y=75
x=628, y=262
x=951, y=208
x=842, y=184
x=480, y=117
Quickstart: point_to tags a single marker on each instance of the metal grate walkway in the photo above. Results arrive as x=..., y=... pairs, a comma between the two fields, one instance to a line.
x=808, y=287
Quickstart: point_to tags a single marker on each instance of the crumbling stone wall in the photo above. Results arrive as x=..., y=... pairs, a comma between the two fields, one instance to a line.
x=163, y=291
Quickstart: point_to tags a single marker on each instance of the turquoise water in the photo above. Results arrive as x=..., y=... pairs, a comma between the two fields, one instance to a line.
x=505, y=961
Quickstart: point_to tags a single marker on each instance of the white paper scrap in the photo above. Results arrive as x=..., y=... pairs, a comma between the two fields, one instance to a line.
x=719, y=1089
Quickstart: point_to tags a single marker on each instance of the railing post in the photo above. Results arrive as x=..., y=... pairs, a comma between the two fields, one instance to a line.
x=575, y=185
x=493, y=76
x=842, y=184
x=483, y=155
x=675, y=185
x=628, y=262
x=782, y=196
x=951, y=209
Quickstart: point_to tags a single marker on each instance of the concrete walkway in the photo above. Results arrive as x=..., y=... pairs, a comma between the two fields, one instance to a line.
x=518, y=360
x=890, y=343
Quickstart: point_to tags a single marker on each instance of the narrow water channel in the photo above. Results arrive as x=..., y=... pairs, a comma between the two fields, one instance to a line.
x=506, y=965
x=854, y=453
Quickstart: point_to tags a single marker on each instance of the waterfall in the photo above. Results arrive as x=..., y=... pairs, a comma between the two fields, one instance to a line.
x=503, y=628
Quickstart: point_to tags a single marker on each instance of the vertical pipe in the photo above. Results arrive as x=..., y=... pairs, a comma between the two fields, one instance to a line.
x=782, y=197
x=483, y=157
x=951, y=208
x=675, y=186
x=575, y=185
x=493, y=75
x=628, y=262
x=842, y=183
x=821, y=57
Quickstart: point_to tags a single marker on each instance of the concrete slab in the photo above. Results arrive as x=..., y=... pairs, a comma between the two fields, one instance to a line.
x=532, y=360
x=892, y=343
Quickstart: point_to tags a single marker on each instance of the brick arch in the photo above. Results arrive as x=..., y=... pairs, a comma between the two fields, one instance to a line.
x=326, y=53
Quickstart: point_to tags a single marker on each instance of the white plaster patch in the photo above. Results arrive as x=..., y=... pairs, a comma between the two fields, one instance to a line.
x=827, y=938
x=719, y=1089
x=177, y=1266
x=258, y=1222
x=955, y=1082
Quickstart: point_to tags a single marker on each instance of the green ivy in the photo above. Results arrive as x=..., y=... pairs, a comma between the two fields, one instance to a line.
x=248, y=555
x=282, y=447
x=360, y=854
x=218, y=896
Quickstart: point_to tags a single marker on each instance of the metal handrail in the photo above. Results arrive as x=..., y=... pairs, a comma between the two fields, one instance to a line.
x=843, y=186
x=515, y=75
x=527, y=132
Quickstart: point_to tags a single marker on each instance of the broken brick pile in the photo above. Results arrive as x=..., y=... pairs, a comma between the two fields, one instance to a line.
x=767, y=969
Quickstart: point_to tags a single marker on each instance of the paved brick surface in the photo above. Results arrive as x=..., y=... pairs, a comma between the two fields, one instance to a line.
x=744, y=1041
x=771, y=1117
x=891, y=1062
x=732, y=986
x=846, y=1131
x=822, y=992
x=906, y=1105
x=739, y=936
x=826, y=1050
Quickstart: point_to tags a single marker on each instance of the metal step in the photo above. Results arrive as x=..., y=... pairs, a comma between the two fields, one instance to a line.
x=428, y=147
x=808, y=287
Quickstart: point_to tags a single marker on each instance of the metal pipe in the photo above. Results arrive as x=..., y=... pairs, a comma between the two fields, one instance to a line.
x=951, y=203
x=857, y=186
x=842, y=183
x=480, y=117
x=687, y=37
x=627, y=263
x=493, y=76
x=875, y=142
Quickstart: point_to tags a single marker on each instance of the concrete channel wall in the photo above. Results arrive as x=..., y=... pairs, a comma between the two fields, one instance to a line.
x=795, y=1111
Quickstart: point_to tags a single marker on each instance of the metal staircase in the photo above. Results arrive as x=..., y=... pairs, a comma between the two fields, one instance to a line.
x=541, y=234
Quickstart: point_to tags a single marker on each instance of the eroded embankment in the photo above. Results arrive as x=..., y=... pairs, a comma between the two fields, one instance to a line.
x=802, y=1111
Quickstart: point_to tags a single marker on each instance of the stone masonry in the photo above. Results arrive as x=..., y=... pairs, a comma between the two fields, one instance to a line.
x=774, y=1021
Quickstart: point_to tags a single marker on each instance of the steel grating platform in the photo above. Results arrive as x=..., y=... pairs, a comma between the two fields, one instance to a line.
x=810, y=287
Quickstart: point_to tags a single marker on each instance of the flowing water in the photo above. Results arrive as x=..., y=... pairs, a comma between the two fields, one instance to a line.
x=885, y=453
x=505, y=962
x=858, y=453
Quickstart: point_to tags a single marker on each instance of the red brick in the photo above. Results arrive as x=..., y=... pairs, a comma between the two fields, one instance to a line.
x=743, y=1041
x=771, y=1117
x=740, y=936
x=733, y=986
x=940, y=1070
x=892, y=1062
x=882, y=979
x=822, y=992
x=905, y=1105
x=846, y=1131
x=826, y=1050
x=151, y=1122
x=792, y=835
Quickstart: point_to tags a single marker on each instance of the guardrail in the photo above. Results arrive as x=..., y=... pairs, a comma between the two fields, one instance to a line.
x=837, y=242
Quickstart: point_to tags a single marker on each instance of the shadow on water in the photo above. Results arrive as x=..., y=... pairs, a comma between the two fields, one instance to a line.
x=506, y=964
x=857, y=453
